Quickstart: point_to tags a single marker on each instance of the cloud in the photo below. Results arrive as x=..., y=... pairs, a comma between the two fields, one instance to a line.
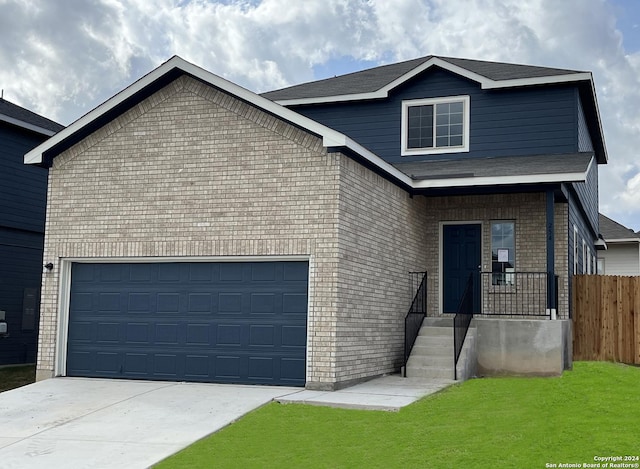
x=66, y=57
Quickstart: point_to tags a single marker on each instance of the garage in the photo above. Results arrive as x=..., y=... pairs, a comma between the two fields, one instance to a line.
x=223, y=322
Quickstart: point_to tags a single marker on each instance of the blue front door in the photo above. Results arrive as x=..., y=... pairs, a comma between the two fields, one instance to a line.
x=461, y=258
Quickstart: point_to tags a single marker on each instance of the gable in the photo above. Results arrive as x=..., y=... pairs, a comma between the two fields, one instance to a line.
x=380, y=83
x=504, y=122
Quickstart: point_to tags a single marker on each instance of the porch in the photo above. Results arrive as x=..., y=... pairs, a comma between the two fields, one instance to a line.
x=505, y=324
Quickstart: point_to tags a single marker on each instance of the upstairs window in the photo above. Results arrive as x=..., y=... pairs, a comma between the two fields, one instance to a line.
x=438, y=125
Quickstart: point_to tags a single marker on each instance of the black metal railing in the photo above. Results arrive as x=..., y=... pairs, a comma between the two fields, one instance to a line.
x=417, y=312
x=461, y=322
x=516, y=294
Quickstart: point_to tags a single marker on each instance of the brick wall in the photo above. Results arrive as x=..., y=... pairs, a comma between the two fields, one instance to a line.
x=382, y=234
x=528, y=210
x=192, y=171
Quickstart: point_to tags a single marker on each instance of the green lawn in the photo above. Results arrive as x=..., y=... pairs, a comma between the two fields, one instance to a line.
x=15, y=376
x=593, y=410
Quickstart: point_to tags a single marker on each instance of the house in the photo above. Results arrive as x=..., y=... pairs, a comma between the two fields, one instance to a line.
x=622, y=256
x=23, y=195
x=200, y=232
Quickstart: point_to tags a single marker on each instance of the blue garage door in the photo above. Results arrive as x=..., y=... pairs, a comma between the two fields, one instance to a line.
x=208, y=322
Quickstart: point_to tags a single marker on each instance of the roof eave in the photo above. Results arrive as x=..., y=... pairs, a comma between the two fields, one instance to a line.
x=26, y=125
x=330, y=137
x=485, y=83
x=500, y=180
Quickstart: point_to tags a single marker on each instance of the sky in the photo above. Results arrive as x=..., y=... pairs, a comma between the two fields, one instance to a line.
x=62, y=58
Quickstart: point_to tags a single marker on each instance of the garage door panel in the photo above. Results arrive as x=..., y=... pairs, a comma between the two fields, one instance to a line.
x=107, y=301
x=262, y=336
x=168, y=303
x=263, y=303
x=208, y=322
x=291, y=368
x=139, y=302
x=294, y=336
x=294, y=303
x=198, y=334
x=230, y=303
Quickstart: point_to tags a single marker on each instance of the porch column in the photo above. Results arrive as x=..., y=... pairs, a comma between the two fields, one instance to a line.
x=551, y=277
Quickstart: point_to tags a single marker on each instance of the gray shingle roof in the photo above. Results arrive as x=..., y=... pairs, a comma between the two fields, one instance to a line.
x=21, y=114
x=373, y=79
x=497, y=166
x=610, y=229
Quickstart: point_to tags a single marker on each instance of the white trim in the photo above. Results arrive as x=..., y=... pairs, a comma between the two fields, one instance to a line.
x=330, y=137
x=499, y=180
x=405, y=151
x=441, y=226
x=64, y=294
x=160, y=259
x=485, y=83
x=26, y=125
x=64, y=291
x=623, y=240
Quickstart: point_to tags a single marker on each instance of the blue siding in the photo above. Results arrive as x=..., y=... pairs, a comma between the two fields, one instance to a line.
x=584, y=138
x=588, y=196
x=20, y=268
x=529, y=121
x=23, y=195
x=23, y=188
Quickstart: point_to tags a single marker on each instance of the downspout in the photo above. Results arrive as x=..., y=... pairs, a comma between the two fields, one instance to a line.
x=551, y=283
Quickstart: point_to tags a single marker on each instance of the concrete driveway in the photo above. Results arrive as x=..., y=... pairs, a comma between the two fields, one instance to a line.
x=98, y=423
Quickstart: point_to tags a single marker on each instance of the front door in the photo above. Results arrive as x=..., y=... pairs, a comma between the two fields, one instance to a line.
x=461, y=258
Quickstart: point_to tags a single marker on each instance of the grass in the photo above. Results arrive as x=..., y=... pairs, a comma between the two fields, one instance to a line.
x=498, y=422
x=12, y=377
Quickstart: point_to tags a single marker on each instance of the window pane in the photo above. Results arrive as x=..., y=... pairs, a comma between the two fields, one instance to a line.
x=455, y=118
x=455, y=141
x=420, y=127
x=456, y=107
x=442, y=142
x=442, y=131
x=442, y=119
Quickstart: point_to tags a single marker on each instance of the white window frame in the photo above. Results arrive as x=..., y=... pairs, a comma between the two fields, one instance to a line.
x=405, y=151
x=600, y=266
x=589, y=261
x=584, y=256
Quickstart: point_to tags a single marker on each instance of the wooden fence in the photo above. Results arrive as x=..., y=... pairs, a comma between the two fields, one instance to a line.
x=606, y=318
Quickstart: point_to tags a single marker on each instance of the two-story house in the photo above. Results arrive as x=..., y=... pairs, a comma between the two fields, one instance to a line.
x=201, y=232
x=23, y=195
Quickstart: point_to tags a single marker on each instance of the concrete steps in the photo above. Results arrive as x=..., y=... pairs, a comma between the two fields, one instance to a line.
x=432, y=354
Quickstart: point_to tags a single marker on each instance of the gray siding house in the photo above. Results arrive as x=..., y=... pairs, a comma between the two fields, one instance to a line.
x=201, y=232
x=23, y=195
x=622, y=256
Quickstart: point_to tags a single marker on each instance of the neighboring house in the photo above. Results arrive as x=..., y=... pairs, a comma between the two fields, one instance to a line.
x=622, y=256
x=201, y=232
x=23, y=196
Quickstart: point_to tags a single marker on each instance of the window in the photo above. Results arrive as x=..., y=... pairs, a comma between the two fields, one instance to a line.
x=503, y=252
x=575, y=250
x=439, y=125
x=600, y=269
